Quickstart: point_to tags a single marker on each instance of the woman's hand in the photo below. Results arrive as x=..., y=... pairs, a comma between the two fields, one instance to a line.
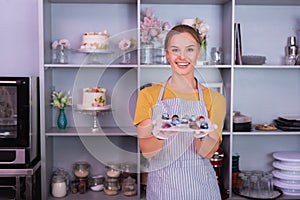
x=208, y=145
x=149, y=144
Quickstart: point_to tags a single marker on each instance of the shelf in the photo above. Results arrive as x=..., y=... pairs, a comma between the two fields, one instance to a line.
x=86, y=131
x=236, y=197
x=207, y=2
x=268, y=66
x=267, y=2
x=198, y=66
x=266, y=133
x=95, y=1
x=88, y=66
x=95, y=195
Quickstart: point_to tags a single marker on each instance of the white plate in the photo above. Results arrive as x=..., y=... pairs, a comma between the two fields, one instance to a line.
x=92, y=108
x=288, y=156
x=291, y=186
x=95, y=51
x=279, y=165
x=280, y=175
x=162, y=135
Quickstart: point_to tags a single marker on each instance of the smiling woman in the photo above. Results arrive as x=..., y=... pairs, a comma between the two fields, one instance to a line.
x=179, y=166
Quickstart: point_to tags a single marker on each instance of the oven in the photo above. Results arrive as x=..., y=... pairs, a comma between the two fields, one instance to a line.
x=19, y=121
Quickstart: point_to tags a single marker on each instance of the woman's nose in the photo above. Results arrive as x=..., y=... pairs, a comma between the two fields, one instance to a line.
x=182, y=54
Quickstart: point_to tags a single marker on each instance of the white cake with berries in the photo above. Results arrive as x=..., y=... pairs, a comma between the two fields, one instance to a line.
x=94, y=97
x=95, y=41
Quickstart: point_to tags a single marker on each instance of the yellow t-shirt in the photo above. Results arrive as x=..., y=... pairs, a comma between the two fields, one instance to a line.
x=147, y=99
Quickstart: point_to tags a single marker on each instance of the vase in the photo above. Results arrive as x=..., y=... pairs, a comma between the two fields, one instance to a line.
x=62, y=119
x=126, y=58
x=61, y=56
x=147, y=53
x=202, y=60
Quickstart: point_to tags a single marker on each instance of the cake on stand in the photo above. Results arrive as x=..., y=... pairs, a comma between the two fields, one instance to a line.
x=94, y=55
x=94, y=111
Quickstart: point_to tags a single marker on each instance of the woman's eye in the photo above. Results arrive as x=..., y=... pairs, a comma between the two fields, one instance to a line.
x=174, y=50
x=190, y=49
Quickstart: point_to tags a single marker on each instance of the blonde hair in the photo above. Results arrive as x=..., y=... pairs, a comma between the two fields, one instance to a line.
x=182, y=29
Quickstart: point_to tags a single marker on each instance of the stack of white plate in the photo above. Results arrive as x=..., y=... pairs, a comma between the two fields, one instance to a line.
x=287, y=172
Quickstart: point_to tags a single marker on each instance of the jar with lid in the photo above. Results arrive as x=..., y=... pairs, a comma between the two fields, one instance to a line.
x=82, y=187
x=81, y=169
x=111, y=186
x=74, y=186
x=59, y=186
x=63, y=172
x=129, y=187
x=129, y=169
x=113, y=170
x=96, y=183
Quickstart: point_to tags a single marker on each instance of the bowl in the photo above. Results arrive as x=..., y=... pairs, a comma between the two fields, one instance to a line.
x=253, y=60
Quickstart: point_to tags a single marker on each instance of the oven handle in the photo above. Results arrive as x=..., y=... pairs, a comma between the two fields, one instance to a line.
x=9, y=82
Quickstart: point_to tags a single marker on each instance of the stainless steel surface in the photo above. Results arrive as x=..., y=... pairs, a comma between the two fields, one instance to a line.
x=9, y=172
x=28, y=173
x=19, y=156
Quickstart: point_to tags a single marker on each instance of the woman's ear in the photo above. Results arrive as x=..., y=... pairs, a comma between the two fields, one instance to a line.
x=199, y=53
x=167, y=55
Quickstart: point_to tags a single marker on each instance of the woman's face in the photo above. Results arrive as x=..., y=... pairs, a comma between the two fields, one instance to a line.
x=182, y=52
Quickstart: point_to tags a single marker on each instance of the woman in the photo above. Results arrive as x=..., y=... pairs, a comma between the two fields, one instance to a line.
x=179, y=167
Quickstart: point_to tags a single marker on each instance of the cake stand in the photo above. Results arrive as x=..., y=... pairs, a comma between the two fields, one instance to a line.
x=94, y=112
x=94, y=54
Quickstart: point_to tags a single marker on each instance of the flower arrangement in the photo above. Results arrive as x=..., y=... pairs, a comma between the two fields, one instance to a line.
x=152, y=30
x=64, y=42
x=200, y=26
x=60, y=100
x=126, y=44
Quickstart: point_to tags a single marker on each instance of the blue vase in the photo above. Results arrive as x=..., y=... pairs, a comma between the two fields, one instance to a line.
x=62, y=119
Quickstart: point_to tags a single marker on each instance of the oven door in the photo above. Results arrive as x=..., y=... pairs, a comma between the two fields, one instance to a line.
x=14, y=111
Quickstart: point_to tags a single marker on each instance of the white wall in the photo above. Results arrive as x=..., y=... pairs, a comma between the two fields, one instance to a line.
x=19, y=38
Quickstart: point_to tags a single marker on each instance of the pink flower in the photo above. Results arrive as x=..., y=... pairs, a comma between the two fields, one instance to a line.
x=124, y=44
x=151, y=27
x=64, y=42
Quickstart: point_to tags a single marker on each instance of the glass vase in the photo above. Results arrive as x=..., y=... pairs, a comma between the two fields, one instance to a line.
x=61, y=56
x=126, y=58
x=147, y=53
x=62, y=119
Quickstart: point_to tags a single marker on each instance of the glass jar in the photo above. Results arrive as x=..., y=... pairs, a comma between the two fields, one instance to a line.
x=129, y=169
x=74, y=186
x=113, y=170
x=111, y=186
x=96, y=183
x=82, y=187
x=59, y=186
x=81, y=169
x=63, y=172
x=129, y=187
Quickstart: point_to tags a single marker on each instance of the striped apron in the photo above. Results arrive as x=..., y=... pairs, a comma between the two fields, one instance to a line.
x=178, y=172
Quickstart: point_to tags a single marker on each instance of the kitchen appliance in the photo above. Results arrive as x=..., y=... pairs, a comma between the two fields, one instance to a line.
x=19, y=121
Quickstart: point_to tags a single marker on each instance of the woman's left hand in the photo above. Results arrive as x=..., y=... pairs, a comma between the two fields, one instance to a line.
x=208, y=146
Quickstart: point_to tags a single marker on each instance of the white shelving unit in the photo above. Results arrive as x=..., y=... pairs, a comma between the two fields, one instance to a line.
x=263, y=92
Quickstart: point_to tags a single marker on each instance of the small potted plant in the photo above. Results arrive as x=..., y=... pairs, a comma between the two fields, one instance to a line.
x=61, y=101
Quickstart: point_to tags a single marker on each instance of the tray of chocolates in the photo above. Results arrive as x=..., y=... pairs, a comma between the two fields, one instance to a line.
x=167, y=125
